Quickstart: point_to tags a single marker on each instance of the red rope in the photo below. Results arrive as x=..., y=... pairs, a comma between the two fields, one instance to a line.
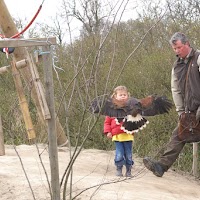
x=6, y=49
x=18, y=34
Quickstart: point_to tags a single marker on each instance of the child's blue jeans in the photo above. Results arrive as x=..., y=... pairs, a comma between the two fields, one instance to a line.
x=123, y=153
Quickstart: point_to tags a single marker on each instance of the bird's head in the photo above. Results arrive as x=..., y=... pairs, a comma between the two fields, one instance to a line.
x=136, y=109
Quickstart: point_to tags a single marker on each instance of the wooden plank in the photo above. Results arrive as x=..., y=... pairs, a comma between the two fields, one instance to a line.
x=2, y=147
x=27, y=42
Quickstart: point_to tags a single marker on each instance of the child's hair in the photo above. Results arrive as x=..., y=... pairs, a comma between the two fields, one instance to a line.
x=120, y=88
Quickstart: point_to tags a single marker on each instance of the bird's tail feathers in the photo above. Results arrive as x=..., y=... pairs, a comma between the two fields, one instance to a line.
x=134, y=124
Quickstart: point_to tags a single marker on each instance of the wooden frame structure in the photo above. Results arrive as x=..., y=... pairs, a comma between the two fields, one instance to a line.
x=49, y=91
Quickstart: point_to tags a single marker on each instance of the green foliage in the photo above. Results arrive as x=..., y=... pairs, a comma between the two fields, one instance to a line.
x=98, y=67
x=135, y=53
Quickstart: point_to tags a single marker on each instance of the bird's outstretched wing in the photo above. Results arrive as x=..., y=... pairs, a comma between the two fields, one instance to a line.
x=133, y=111
x=156, y=105
x=107, y=106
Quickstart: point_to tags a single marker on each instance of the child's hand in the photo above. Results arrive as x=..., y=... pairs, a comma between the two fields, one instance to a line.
x=109, y=135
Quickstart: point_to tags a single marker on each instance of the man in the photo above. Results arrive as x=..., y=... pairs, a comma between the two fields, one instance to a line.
x=190, y=102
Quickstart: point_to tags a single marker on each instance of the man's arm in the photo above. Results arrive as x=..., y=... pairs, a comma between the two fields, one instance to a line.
x=176, y=94
x=198, y=61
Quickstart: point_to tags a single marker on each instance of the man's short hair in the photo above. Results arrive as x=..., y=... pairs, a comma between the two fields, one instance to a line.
x=178, y=36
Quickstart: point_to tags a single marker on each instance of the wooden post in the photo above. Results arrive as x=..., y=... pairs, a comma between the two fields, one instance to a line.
x=9, y=29
x=39, y=89
x=2, y=147
x=195, y=160
x=53, y=152
x=23, y=103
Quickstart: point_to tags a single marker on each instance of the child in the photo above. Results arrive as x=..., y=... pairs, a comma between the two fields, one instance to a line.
x=123, y=141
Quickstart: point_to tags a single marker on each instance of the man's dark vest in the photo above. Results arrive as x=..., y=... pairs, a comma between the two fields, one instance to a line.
x=192, y=100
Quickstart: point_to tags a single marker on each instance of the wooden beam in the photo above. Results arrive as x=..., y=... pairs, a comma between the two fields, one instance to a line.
x=27, y=42
x=8, y=28
x=20, y=64
x=39, y=89
x=23, y=103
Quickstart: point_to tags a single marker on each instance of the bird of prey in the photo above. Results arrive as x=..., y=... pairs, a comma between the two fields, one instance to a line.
x=133, y=112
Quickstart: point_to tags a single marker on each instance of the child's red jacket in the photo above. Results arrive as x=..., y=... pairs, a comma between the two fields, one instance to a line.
x=111, y=125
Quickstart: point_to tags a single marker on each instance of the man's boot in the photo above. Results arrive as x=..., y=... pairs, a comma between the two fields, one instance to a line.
x=154, y=166
x=119, y=171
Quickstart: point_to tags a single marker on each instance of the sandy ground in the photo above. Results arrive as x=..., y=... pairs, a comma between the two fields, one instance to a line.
x=93, y=177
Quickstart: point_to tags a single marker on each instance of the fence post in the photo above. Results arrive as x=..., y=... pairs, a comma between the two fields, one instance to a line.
x=52, y=135
x=2, y=147
x=195, y=160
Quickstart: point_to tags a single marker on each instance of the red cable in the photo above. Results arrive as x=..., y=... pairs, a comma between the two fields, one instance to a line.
x=18, y=34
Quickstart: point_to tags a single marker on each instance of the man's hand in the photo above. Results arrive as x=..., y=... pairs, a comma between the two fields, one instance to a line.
x=180, y=114
x=198, y=114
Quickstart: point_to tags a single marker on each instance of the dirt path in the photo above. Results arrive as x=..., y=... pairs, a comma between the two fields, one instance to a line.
x=93, y=168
